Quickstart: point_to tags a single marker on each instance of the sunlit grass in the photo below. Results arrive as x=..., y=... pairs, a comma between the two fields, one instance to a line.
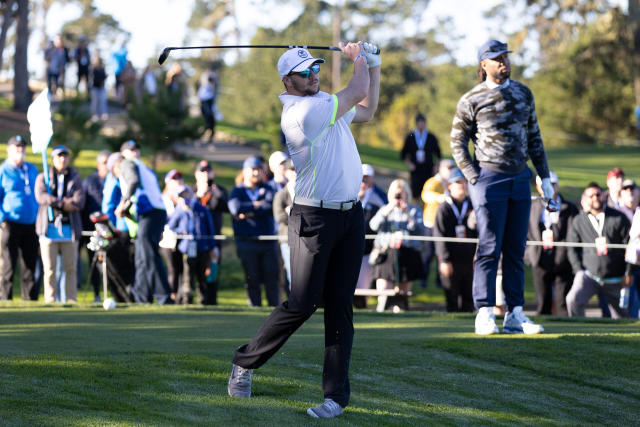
x=148, y=365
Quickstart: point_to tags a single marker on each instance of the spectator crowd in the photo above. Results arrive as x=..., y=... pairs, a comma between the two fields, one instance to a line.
x=129, y=84
x=163, y=246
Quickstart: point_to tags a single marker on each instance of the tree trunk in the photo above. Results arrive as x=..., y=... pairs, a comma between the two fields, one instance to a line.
x=21, y=93
x=6, y=23
x=634, y=28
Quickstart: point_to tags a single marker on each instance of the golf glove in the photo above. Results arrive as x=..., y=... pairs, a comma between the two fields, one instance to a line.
x=373, y=58
x=547, y=188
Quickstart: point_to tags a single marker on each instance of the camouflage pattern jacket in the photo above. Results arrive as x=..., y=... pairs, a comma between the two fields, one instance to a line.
x=504, y=128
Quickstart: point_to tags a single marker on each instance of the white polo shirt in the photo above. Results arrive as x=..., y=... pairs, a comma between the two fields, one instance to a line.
x=322, y=148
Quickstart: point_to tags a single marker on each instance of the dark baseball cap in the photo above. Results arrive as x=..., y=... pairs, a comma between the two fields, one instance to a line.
x=251, y=163
x=492, y=49
x=59, y=149
x=17, y=140
x=129, y=145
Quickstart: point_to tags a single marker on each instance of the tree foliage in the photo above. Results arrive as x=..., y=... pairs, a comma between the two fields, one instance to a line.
x=72, y=127
x=159, y=121
x=586, y=90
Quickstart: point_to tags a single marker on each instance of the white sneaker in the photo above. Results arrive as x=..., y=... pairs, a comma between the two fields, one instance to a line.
x=517, y=323
x=329, y=409
x=486, y=322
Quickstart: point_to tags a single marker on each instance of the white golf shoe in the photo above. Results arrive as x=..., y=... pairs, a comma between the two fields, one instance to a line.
x=239, y=382
x=328, y=409
x=517, y=322
x=486, y=322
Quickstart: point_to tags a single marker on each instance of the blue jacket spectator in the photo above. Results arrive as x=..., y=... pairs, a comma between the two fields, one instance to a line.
x=251, y=205
x=249, y=220
x=112, y=194
x=18, y=210
x=190, y=217
x=17, y=187
x=196, y=220
x=111, y=197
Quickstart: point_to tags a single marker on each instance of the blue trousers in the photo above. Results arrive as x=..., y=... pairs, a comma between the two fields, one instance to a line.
x=501, y=203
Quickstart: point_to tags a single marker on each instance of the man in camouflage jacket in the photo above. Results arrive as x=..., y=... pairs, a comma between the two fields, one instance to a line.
x=499, y=116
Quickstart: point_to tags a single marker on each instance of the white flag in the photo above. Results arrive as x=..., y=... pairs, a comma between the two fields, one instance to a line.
x=40, y=125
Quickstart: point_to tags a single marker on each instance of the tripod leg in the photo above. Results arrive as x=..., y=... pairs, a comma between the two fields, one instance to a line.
x=104, y=274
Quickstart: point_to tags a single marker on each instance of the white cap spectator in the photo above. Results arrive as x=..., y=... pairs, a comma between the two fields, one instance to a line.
x=367, y=170
x=276, y=159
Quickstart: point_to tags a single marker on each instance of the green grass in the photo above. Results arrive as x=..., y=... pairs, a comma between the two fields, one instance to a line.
x=385, y=157
x=146, y=365
x=245, y=132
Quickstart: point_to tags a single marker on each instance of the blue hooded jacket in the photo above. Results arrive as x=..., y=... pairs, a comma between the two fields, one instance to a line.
x=16, y=204
x=197, y=221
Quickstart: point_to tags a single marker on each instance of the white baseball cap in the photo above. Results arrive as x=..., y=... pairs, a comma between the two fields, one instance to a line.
x=367, y=170
x=276, y=158
x=296, y=59
x=553, y=178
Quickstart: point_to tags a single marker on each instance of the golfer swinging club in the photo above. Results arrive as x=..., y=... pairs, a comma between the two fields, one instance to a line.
x=326, y=223
x=499, y=115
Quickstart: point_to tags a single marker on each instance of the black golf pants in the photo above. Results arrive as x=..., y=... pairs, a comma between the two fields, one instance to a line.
x=327, y=246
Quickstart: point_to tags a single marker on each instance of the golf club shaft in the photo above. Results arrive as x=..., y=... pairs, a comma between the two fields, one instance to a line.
x=165, y=52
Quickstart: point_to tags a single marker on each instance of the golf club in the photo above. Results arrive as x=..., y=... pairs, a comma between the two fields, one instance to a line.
x=165, y=52
x=550, y=204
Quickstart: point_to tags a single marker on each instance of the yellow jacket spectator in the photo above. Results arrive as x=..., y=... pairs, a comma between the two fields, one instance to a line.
x=434, y=192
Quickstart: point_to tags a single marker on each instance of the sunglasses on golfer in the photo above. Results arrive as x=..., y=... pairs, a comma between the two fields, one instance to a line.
x=306, y=73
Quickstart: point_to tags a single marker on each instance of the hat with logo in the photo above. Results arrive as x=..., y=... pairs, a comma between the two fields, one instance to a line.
x=296, y=59
x=17, y=140
x=492, y=49
x=59, y=149
x=251, y=163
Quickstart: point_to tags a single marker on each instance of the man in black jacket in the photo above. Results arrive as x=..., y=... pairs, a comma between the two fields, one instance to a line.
x=417, y=153
x=598, y=268
x=455, y=218
x=549, y=263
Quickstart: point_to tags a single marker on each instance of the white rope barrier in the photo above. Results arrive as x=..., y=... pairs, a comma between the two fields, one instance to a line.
x=224, y=237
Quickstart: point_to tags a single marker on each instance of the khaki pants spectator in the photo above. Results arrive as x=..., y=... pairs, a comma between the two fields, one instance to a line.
x=49, y=252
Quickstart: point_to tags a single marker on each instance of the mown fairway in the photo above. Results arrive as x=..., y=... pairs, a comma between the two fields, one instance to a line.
x=169, y=366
